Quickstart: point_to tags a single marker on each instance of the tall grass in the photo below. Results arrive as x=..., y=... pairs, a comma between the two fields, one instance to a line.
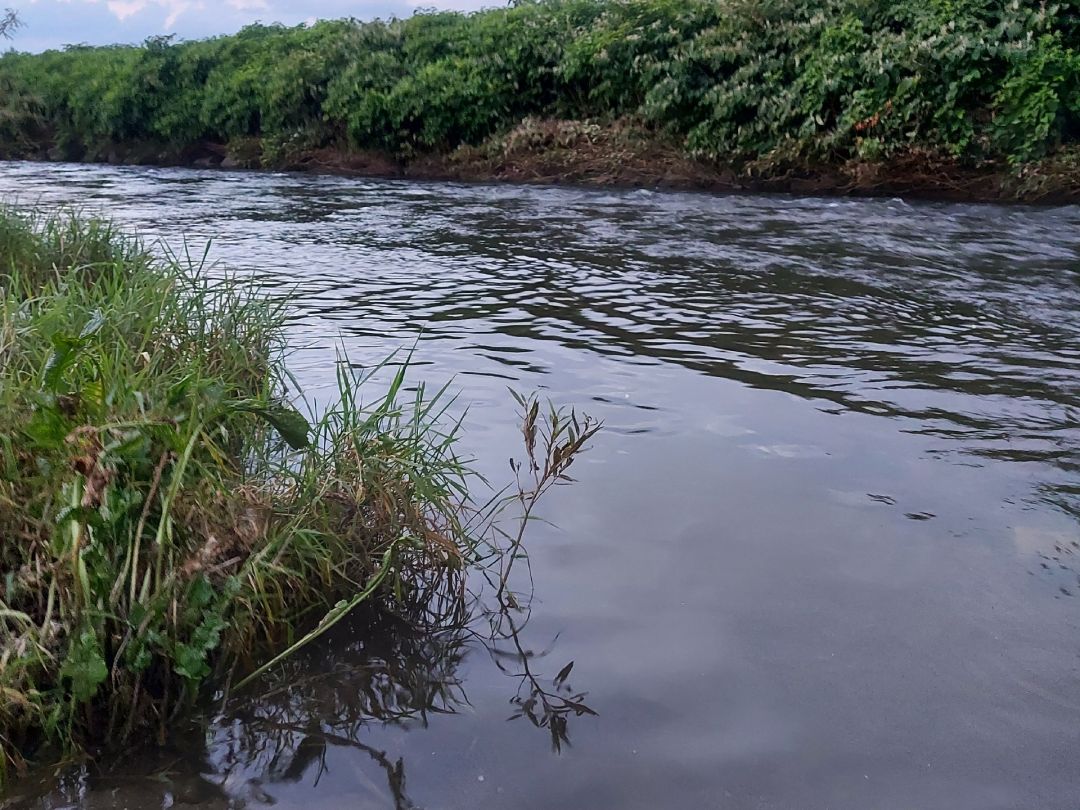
x=165, y=514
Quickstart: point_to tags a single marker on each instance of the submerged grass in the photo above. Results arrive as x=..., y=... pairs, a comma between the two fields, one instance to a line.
x=165, y=514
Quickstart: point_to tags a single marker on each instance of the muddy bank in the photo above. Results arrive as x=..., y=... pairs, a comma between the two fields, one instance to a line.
x=623, y=156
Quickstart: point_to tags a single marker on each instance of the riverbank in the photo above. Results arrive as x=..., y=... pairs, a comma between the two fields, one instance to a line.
x=560, y=152
x=167, y=517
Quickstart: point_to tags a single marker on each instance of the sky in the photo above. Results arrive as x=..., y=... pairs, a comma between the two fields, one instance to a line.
x=55, y=23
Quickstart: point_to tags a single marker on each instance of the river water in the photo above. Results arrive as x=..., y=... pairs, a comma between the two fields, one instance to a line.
x=822, y=555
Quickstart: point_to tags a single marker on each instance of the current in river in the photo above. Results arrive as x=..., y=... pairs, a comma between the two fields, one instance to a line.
x=823, y=554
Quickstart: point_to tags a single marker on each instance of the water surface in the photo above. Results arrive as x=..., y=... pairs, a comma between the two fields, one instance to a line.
x=822, y=556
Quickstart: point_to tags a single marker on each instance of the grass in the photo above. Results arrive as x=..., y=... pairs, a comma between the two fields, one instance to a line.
x=167, y=518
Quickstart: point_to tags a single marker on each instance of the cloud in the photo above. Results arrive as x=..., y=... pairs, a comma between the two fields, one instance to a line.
x=176, y=9
x=125, y=10
x=55, y=23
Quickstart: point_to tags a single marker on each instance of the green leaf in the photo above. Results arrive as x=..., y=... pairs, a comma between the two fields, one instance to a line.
x=191, y=662
x=289, y=422
x=131, y=448
x=93, y=394
x=200, y=594
x=138, y=656
x=192, y=658
x=84, y=666
x=93, y=326
x=65, y=352
x=47, y=427
x=76, y=514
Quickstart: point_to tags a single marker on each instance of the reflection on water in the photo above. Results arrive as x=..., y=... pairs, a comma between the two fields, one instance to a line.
x=376, y=669
x=373, y=668
x=823, y=555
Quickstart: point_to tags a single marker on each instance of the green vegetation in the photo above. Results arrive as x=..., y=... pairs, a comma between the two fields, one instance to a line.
x=767, y=86
x=165, y=514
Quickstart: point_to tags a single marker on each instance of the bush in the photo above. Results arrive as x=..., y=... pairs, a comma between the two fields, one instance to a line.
x=736, y=80
x=1038, y=104
x=164, y=511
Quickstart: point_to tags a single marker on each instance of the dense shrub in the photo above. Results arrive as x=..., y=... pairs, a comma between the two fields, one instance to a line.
x=737, y=80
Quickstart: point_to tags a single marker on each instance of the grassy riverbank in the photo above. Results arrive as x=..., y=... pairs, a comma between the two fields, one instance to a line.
x=961, y=98
x=165, y=514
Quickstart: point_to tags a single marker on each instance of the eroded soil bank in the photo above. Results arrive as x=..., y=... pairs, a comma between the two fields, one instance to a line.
x=622, y=155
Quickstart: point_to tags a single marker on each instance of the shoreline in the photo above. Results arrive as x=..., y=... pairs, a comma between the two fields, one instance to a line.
x=176, y=520
x=620, y=158
x=168, y=517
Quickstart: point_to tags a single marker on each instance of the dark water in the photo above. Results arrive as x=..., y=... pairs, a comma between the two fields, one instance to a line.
x=821, y=557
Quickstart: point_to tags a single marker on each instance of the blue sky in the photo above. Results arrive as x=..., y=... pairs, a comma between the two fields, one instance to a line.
x=54, y=23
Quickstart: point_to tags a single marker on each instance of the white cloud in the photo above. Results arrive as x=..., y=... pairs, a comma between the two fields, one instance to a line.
x=123, y=9
x=173, y=9
x=176, y=9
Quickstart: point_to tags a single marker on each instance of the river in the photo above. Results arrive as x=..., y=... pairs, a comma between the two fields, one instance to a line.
x=821, y=556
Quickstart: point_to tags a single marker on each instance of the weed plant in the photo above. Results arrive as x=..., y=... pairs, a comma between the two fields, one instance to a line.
x=165, y=514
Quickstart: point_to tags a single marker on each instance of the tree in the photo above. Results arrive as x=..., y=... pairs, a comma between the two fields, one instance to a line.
x=9, y=22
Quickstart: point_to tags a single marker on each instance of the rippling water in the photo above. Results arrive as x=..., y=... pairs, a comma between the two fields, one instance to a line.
x=822, y=556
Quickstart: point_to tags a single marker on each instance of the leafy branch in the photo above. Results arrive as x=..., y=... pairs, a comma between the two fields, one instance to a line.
x=9, y=23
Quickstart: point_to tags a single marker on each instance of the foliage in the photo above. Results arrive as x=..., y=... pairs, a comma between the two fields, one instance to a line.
x=1039, y=101
x=9, y=23
x=166, y=515
x=738, y=80
x=164, y=511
